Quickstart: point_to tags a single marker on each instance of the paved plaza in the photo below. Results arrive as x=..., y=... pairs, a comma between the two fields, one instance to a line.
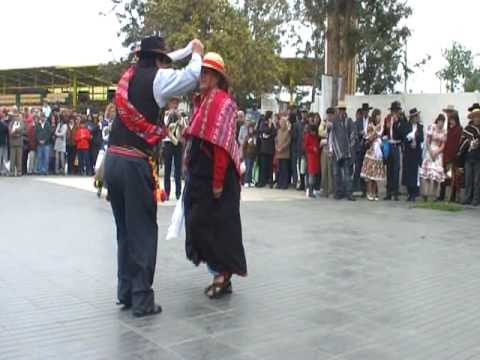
x=327, y=280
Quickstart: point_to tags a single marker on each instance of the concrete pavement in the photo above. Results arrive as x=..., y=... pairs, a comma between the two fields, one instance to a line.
x=327, y=280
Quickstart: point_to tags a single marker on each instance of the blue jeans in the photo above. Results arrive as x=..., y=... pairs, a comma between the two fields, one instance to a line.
x=342, y=173
x=83, y=162
x=43, y=157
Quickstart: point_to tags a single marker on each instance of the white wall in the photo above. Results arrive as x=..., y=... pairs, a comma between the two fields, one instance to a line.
x=429, y=104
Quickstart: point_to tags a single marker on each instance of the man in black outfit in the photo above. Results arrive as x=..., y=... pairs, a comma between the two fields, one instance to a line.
x=142, y=93
x=394, y=132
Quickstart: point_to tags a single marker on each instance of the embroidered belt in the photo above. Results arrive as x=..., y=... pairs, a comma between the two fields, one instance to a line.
x=158, y=194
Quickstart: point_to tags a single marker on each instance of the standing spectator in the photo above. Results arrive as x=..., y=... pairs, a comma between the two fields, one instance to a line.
x=470, y=150
x=312, y=152
x=413, y=144
x=3, y=143
x=173, y=148
x=361, y=127
x=292, y=118
x=300, y=132
x=249, y=154
x=53, y=120
x=82, y=142
x=326, y=154
x=60, y=147
x=343, y=137
x=31, y=145
x=96, y=141
x=454, y=133
x=46, y=110
x=267, y=150
x=432, y=173
x=16, y=132
x=110, y=114
x=393, y=133
x=282, y=147
x=42, y=137
x=70, y=145
x=242, y=127
x=373, y=169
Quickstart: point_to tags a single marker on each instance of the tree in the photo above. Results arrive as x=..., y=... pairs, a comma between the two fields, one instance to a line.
x=369, y=30
x=472, y=82
x=459, y=67
x=248, y=37
x=381, y=44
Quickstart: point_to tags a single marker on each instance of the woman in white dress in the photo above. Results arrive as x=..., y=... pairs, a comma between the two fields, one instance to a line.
x=432, y=172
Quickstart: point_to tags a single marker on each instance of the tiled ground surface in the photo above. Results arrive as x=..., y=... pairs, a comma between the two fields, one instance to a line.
x=328, y=280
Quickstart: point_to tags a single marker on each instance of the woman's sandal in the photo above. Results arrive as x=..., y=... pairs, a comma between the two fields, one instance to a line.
x=217, y=290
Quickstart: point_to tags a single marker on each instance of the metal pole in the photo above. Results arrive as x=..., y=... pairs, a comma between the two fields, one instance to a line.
x=75, y=91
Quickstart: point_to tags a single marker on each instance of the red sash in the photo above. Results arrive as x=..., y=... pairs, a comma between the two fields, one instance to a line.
x=130, y=117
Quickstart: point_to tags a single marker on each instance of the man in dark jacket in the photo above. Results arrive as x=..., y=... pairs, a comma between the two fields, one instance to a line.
x=361, y=126
x=394, y=133
x=299, y=131
x=3, y=143
x=267, y=135
x=470, y=150
x=343, y=137
x=42, y=137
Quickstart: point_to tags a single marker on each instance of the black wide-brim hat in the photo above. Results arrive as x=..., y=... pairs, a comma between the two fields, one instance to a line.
x=366, y=107
x=396, y=106
x=413, y=112
x=153, y=45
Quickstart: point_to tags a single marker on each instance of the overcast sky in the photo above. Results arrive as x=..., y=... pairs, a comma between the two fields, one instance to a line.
x=71, y=32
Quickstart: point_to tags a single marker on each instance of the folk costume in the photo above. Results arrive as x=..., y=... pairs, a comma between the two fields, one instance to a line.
x=312, y=151
x=361, y=125
x=130, y=173
x=373, y=167
x=470, y=151
x=213, y=225
x=432, y=167
x=342, y=142
x=394, y=132
x=454, y=134
x=413, y=142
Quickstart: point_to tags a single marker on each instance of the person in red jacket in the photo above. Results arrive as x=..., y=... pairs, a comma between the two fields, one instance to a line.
x=82, y=143
x=311, y=145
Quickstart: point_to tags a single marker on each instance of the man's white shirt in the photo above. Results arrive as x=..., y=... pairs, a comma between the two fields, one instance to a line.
x=171, y=82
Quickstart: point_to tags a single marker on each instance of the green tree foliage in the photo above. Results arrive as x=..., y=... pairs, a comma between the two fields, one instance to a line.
x=459, y=68
x=246, y=35
x=472, y=82
x=381, y=44
x=377, y=41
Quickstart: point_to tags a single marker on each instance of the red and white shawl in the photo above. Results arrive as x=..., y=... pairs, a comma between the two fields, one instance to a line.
x=214, y=121
x=130, y=117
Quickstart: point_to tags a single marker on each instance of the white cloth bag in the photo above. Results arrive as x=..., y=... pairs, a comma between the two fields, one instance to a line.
x=100, y=158
x=177, y=221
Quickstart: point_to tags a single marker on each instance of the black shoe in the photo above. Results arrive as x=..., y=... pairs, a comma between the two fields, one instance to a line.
x=351, y=198
x=156, y=309
x=387, y=198
x=364, y=195
x=124, y=306
x=396, y=198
